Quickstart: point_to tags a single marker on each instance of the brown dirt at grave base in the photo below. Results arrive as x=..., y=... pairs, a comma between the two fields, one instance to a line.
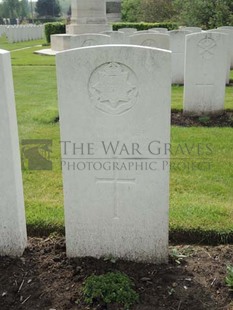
x=224, y=119
x=44, y=278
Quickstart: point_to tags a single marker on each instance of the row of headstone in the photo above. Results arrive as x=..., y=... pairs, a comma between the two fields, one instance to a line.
x=159, y=40
x=22, y=33
x=2, y=30
x=158, y=37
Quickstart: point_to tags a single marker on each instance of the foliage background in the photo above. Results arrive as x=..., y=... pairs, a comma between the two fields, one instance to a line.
x=203, y=13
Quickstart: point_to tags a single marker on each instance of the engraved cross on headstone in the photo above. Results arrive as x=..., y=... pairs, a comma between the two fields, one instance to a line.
x=116, y=181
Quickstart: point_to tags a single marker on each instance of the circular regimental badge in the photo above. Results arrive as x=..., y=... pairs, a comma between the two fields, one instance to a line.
x=113, y=88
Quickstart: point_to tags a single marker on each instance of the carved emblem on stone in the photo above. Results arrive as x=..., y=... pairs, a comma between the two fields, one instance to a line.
x=148, y=42
x=207, y=47
x=113, y=88
x=89, y=42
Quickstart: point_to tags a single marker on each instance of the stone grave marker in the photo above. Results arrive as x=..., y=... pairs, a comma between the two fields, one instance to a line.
x=128, y=31
x=158, y=40
x=83, y=40
x=228, y=30
x=230, y=50
x=192, y=29
x=117, y=37
x=159, y=29
x=177, y=43
x=205, y=73
x=13, y=236
x=61, y=42
x=114, y=104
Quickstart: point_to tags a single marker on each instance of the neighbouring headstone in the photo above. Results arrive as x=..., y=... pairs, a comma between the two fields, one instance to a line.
x=60, y=42
x=229, y=31
x=230, y=50
x=128, y=31
x=117, y=37
x=192, y=29
x=83, y=40
x=88, y=16
x=158, y=40
x=142, y=31
x=205, y=73
x=159, y=29
x=226, y=27
x=114, y=104
x=177, y=44
x=13, y=236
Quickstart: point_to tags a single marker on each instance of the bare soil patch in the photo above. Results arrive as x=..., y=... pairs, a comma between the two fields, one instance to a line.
x=44, y=278
x=224, y=119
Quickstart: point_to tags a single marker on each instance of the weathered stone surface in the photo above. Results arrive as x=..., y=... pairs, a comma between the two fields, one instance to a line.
x=205, y=73
x=13, y=236
x=114, y=105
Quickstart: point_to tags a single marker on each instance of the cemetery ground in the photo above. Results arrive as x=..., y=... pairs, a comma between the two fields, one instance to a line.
x=200, y=209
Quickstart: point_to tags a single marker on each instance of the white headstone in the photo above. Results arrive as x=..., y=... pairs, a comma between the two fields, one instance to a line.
x=117, y=37
x=61, y=42
x=141, y=31
x=158, y=29
x=192, y=29
x=10, y=34
x=83, y=40
x=230, y=50
x=120, y=96
x=13, y=237
x=158, y=40
x=226, y=27
x=128, y=31
x=177, y=43
x=229, y=30
x=205, y=73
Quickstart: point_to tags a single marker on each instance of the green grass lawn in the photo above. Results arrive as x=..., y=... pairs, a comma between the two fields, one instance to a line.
x=200, y=199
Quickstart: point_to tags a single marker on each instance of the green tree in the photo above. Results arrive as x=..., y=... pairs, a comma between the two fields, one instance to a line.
x=131, y=10
x=48, y=8
x=10, y=8
x=24, y=8
x=157, y=10
x=205, y=13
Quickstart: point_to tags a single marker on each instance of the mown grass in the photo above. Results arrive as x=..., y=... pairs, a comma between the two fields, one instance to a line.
x=200, y=199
